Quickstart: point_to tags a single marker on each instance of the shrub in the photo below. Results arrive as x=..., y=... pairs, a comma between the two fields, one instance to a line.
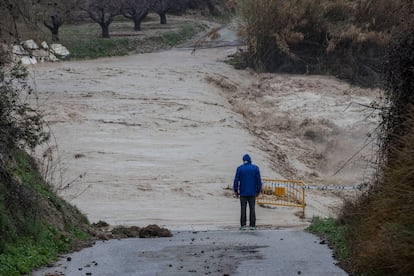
x=20, y=124
x=342, y=38
x=381, y=229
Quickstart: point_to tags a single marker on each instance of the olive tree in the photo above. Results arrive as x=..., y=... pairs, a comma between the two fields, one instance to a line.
x=136, y=10
x=54, y=13
x=102, y=12
x=162, y=7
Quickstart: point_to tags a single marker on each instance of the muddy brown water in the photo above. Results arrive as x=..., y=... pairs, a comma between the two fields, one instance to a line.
x=149, y=138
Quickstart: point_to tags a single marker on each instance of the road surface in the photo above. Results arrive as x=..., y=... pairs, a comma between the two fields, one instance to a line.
x=223, y=252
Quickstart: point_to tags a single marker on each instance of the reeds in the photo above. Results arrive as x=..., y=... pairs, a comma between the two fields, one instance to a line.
x=347, y=39
x=381, y=222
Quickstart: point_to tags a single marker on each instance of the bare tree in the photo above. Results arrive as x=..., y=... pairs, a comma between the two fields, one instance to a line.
x=162, y=7
x=136, y=10
x=102, y=12
x=54, y=14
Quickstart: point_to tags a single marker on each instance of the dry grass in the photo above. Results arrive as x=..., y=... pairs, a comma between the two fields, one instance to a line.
x=350, y=39
x=382, y=221
x=347, y=39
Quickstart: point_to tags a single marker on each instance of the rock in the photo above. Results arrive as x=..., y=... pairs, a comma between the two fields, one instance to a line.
x=59, y=50
x=41, y=55
x=19, y=50
x=44, y=45
x=30, y=45
x=27, y=60
x=29, y=53
x=52, y=57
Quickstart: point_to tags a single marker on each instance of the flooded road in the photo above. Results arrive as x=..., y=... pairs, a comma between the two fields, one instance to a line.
x=153, y=138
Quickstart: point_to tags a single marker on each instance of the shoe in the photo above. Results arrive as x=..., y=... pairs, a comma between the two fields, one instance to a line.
x=243, y=228
x=252, y=228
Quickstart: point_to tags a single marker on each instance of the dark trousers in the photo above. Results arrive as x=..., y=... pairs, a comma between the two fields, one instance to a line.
x=243, y=202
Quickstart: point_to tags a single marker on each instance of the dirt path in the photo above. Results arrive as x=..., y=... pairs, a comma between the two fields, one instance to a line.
x=153, y=138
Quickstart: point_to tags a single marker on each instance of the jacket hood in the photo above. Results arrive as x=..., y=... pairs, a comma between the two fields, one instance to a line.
x=246, y=158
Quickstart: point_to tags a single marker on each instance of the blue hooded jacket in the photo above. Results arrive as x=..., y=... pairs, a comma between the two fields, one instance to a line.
x=247, y=181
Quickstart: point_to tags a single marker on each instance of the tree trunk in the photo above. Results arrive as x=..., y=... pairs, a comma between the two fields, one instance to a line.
x=138, y=19
x=163, y=17
x=105, y=30
x=55, y=34
x=137, y=23
x=56, y=22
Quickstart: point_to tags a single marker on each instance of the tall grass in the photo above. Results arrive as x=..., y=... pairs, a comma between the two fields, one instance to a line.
x=381, y=222
x=268, y=26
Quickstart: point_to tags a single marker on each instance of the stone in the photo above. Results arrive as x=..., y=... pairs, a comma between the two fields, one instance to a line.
x=59, y=50
x=52, y=57
x=44, y=45
x=19, y=50
x=30, y=45
x=27, y=60
x=44, y=56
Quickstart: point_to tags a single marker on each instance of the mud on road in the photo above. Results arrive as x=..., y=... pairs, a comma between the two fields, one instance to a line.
x=264, y=252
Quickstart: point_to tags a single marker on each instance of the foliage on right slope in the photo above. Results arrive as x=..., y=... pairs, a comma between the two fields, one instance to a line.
x=381, y=222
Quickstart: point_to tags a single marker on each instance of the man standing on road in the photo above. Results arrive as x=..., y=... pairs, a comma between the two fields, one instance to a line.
x=247, y=184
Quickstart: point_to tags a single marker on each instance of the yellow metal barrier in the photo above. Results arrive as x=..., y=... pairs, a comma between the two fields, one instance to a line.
x=282, y=193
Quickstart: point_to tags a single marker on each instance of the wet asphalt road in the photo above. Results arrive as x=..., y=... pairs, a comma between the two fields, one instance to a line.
x=219, y=252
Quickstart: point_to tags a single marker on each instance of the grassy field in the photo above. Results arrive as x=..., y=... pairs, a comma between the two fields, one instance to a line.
x=84, y=41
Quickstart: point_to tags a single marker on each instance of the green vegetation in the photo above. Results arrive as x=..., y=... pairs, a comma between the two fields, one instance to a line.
x=98, y=47
x=83, y=40
x=22, y=256
x=331, y=230
x=36, y=224
x=185, y=32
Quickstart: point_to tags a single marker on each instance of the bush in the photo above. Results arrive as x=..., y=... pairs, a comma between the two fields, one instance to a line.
x=381, y=229
x=20, y=124
x=342, y=38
